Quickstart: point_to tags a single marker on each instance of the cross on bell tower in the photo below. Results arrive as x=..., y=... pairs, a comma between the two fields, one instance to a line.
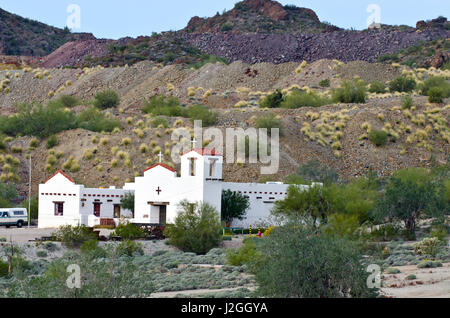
x=193, y=142
x=160, y=157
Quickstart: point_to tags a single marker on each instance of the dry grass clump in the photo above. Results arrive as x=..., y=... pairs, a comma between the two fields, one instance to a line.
x=71, y=165
x=143, y=148
x=139, y=132
x=299, y=69
x=104, y=141
x=126, y=141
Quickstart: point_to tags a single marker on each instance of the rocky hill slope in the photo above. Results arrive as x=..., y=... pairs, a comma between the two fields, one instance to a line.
x=21, y=36
x=261, y=16
x=234, y=92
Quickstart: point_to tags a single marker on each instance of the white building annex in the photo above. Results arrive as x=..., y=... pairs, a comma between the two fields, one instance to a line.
x=157, y=194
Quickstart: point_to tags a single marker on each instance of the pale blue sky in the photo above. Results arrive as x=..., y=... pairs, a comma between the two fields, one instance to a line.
x=117, y=18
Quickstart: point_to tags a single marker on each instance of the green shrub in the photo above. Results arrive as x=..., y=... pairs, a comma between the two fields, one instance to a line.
x=377, y=87
x=129, y=231
x=38, y=121
x=392, y=270
x=436, y=95
x=94, y=120
x=272, y=100
x=197, y=228
x=402, y=84
x=439, y=85
x=129, y=248
x=246, y=255
x=299, y=263
x=159, y=121
x=378, y=137
x=41, y=254
x=74, y=236
x=407, y=102
x=429, y=264
x=203, y=113
x=92, y=249
x=428, y=246
x=4, y=269
x=68, y=101
x=411, y=277
x=269, y=121
x=341, y=225
x=439, y=232
x=159, y=105
x=325, y=83
x=299, y=98
x=52, y=141
x=106, y=99
x=350, y=92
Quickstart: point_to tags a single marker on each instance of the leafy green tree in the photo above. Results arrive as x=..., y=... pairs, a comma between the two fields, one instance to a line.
x=313, y=171
x=310, y=203
x=127, y=201
x=350, y=92
x=300, y=263
x=8, y=192
x=197, y=228
x=234, y=206
x=409, y=193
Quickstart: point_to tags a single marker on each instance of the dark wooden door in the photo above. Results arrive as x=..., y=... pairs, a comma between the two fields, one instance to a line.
x=117, y=211
x=97, y=209
x=162, y=214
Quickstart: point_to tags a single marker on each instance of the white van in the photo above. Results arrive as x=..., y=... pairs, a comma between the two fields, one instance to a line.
x=13, y=217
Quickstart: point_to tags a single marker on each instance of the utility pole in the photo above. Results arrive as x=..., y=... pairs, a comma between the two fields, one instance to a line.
x=29, y=195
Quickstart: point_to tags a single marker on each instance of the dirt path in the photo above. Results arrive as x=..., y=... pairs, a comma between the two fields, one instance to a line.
x=191, y=292
x=430, y=282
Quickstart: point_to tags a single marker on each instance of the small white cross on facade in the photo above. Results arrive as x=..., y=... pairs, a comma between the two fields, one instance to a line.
x=193, y=142
x=160, y=157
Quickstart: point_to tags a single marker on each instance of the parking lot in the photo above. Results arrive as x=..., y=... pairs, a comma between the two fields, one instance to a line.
x=24, y=234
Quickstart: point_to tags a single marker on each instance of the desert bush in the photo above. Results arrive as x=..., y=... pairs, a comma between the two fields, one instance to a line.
x=429, y=264
x=41, y=254
x=74, y=236
x=299, y=98
x=203, y=113
x=325, y=83
x=272, y=100
x=440, y=86
x=197, y=228
x=436, y=95
x=377, y=87
x=94, y=120
x=52, y=141
x=110, y=277
x=300, y=263
x=269, y=121
x=350, y=92
x=106, y=99
x=246, y=255
x=129, y=248
x=428, y=246
x=234, y=206
x=68, y=101
x=341, y=225
x=159, y=105
x=392, y=270
x=92, y=249
x=38, y=121
x=128, y=231
x=159, y=121
x=378, y=137
x=407, y=102
x=411, y=277
x=4, y=269
x=439, y=231
x=402, y=84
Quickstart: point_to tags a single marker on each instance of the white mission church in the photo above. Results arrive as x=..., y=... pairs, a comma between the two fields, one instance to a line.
x=157, y=194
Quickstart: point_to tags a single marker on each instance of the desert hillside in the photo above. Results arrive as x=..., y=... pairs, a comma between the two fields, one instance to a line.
x=335, y=134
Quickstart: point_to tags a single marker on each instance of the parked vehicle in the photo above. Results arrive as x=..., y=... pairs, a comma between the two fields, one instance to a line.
x=13, y=217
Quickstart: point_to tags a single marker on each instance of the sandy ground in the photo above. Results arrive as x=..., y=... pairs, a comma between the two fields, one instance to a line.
x=430, y=282
x=26, y=234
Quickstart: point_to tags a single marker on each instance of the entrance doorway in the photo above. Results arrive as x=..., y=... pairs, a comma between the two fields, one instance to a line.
x=163, y=214
x=117, y=211
x=97, y=209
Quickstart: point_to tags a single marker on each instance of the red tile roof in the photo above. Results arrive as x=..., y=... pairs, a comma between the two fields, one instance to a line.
x=60, y=172
x=204, y=152
x=162, y=165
